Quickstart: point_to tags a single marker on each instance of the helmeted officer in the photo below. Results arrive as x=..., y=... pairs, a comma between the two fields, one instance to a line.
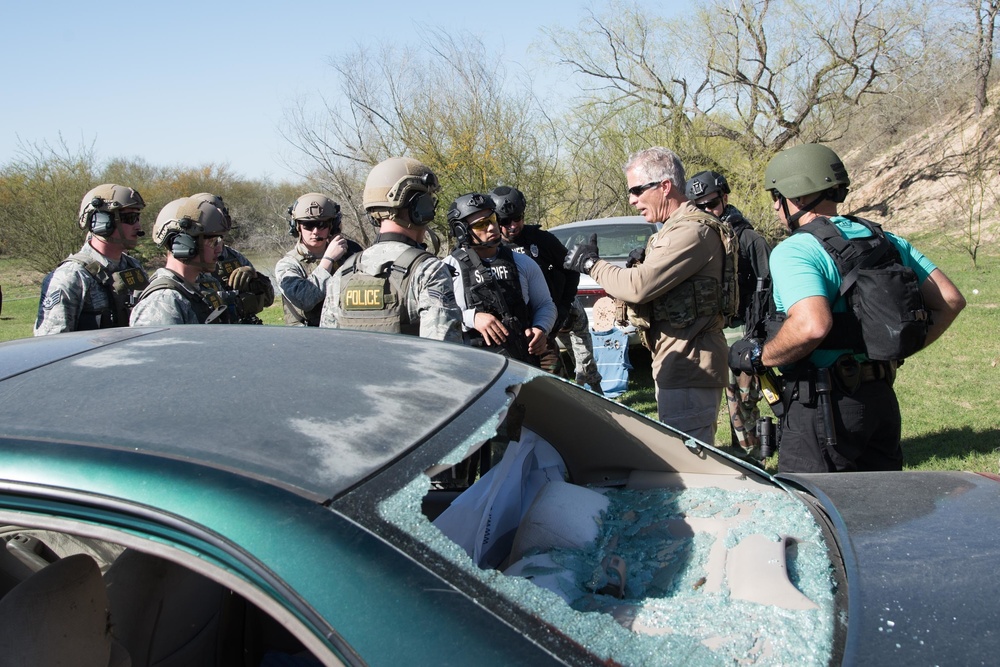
x=96, y=287
x=303, y=273
x=245, y=290
x=505, y=302
x=841, y=413
x=191, y=231
x=396, y=285
x=549, y=253
x=709, y=191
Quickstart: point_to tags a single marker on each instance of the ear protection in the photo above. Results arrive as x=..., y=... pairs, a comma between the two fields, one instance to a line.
x=101, y=223
x=421, y=208
x=184, y=246
x=292, y=227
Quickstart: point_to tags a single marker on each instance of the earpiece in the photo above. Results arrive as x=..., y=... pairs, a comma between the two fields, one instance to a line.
x=421, y=208
x=184, y=246
x=101, y=223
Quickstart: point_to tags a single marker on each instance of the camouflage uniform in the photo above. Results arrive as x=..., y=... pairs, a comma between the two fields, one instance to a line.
x=185, y=304
x=302, y=282
x=244, y=305
x=430, y=299
x=73, y=299
x=575, y=335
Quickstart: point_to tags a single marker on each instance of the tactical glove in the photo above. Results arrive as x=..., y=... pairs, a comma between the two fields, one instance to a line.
x=241, y=277
x=744, y=357
x=583, y=257
x=637, y=256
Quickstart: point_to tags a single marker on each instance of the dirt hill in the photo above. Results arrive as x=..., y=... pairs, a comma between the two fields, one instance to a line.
x=940, y=179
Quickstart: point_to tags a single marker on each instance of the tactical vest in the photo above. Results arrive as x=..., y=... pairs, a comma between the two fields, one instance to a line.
x=205, y=304
x=119, y=286
x=886, y=318
x=698, y=296
x=498, y=293
x=377, y=302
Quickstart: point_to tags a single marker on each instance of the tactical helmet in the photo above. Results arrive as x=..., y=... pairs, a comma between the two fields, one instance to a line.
x=401, y=182
x=313, y=207
x=464, y=206
x=216, y=201
x=705, y=183
x=509, y=202
x=107, y=198
x=806, y=169
x=182, y=221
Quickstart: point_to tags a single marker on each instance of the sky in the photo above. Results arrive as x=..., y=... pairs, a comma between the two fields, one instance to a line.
x=187, y=83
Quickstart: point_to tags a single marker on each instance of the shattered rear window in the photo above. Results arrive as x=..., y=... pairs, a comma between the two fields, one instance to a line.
x=699, y=575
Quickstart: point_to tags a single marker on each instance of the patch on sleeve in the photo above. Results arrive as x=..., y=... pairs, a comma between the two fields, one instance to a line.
x=52, y=300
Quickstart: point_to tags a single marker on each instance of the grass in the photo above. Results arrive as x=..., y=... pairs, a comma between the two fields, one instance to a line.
x=947, y=392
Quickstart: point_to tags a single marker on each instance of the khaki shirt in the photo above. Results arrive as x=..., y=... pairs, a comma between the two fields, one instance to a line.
x=692, y=356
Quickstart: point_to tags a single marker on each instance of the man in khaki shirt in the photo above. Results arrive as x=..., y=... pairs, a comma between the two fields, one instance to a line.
x=672, y=293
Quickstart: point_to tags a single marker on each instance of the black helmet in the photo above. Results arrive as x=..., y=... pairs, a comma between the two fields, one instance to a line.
x=705, y=183
x=464, y=206
x=509, y=202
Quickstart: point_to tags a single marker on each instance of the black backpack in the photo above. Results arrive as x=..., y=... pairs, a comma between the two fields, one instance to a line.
x=886, y=317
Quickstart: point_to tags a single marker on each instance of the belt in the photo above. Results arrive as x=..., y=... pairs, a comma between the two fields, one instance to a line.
x=873, y=371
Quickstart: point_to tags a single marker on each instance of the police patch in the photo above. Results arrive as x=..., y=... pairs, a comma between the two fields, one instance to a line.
x=52, y=300
x=533, y=249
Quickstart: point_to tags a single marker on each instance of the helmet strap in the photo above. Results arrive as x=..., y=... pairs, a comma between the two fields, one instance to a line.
x=793, y=220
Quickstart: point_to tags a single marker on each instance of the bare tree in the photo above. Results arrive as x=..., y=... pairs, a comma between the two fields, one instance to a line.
x=757, y=73
x=976, y=197
x=448, y=104
x=986, y=12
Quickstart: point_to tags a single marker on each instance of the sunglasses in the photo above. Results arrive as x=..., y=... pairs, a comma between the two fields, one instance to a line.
x=129, y=217
x=637, y=190
x=712, y=203
x=315, y=225
x=484, y=223
x=212, y=241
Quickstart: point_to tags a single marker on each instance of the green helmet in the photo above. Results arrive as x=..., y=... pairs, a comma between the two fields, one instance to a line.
x=804, y=170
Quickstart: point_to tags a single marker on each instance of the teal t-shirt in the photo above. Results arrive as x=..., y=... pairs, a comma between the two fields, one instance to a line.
x=801, y=268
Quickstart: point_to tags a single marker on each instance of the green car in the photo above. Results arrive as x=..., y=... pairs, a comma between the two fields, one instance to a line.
x=227, y=495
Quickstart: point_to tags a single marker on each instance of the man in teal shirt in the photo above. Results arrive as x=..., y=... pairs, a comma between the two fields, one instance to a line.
x=807, y=183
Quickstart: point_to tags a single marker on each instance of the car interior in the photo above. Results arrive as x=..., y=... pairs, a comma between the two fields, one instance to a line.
x=624, y=517
x=66, y=599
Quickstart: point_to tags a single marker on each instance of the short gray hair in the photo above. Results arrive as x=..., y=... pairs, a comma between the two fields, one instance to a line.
x=657, y=164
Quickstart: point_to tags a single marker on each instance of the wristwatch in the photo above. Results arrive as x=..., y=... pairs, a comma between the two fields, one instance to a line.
x=755, y=353
x=588, y=265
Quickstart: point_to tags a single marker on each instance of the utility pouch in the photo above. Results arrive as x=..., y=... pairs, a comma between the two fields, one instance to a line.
x=847, y=374
x=639, y=315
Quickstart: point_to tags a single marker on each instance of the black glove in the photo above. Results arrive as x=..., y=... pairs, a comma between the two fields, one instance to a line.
x=744, y=357
x=583, y=256
x=637, y=256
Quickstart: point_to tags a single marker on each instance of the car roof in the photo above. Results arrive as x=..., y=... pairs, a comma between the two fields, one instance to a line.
x=313, y=410
x=615, y=220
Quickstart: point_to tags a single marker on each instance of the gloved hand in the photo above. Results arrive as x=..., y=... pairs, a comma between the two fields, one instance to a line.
x=637, y=256
x=241, y=277
x=583, y=256
x=744, y=357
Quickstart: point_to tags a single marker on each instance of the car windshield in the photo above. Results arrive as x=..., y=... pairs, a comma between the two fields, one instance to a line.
x=615, y=241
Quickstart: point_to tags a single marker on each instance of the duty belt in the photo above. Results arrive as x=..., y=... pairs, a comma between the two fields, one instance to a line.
x=849, y=373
